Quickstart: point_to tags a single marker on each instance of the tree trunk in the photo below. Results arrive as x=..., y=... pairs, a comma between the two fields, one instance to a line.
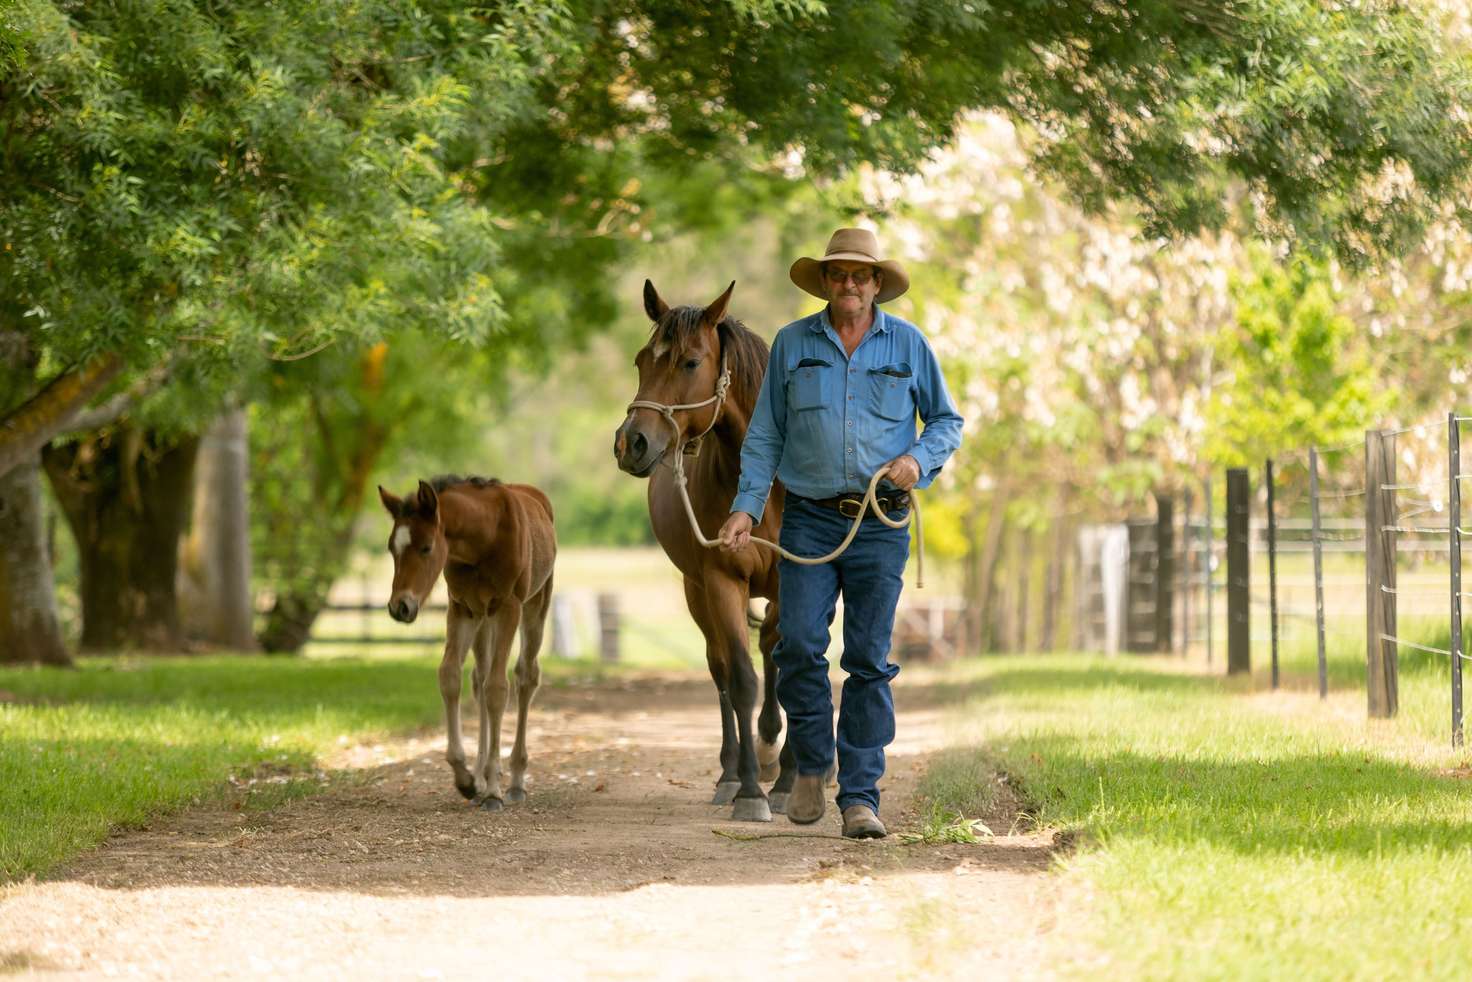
x=126, y=497
x=29, y=630
x=1025, y=539
x=214, y=581
x=1053, y=585
x=991, y=557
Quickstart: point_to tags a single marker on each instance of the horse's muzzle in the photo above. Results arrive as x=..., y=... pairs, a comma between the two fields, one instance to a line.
x=633, y=451
x=403, y=609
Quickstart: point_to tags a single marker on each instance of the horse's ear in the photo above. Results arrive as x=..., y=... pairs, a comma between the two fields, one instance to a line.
x=393, y=503
x=429, y=502
x=654, y=304
x=716, y=312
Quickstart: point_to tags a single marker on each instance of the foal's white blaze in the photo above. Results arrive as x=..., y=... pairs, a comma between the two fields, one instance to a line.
x=400, y=540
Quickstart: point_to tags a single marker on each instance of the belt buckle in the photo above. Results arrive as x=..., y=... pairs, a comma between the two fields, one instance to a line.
x=843, y=507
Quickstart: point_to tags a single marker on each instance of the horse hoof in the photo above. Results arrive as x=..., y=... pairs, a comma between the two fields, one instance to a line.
x=492, y=804
x=466, y=788
x=778, y=802
x=769, y=772
x=726, y=792
x=516, y=795
x=751, y=810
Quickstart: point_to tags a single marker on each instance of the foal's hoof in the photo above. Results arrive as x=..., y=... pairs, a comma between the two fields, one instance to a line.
x=726, y=792
x=492, y=804
x=778, y=801
x=751, y=810
x=516, y=795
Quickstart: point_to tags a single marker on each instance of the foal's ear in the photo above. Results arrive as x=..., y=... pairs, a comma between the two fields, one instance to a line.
x=716, y=312
x=392, y=502
x=429, y=502
x=654, y=304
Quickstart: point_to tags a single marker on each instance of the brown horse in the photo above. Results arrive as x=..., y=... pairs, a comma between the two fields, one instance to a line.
x=689, y=352
x=496, y=546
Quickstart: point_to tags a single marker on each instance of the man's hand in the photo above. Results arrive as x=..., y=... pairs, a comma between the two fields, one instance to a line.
x=903, y=472
x=736, y=533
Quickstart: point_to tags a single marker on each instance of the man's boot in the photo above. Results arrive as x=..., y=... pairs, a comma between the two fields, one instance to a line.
x=805, y=804
x=860, y=822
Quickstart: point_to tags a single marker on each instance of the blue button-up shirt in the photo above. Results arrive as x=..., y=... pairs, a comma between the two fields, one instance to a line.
x=826, y=421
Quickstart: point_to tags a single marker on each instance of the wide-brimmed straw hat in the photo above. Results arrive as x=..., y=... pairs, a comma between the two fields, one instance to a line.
x=855, y=245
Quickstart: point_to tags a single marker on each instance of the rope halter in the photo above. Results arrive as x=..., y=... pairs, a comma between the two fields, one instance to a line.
x=668, y=412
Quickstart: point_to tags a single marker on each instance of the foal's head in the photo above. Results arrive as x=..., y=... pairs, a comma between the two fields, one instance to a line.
x=679, y=366
x=419, y=549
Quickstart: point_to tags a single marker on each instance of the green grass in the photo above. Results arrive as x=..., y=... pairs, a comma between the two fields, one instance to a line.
x=1227, y=832
x=121, y=740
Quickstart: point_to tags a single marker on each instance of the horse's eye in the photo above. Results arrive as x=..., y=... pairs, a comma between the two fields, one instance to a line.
x=692, y=364
x=425, y=550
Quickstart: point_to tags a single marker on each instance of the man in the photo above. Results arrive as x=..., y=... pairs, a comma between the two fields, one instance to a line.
x=839, y=401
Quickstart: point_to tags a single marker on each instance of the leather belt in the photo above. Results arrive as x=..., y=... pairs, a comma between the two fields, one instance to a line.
x=849, y=505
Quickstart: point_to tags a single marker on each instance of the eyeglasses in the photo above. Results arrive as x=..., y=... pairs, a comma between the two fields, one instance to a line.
x=861, y=277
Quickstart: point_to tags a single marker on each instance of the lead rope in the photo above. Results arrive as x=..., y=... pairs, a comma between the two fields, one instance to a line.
x=870, y=503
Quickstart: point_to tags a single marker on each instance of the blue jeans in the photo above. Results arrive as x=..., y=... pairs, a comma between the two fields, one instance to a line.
x=869, y=575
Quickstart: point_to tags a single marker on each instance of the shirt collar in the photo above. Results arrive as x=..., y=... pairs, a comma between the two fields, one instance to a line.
x=821, y=321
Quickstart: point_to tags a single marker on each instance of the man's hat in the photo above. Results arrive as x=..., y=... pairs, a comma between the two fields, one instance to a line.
x=856, y=245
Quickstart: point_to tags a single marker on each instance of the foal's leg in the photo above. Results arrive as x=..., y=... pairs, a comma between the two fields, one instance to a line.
x=715, y=659
x=725, y=601
x=460, y=629
x=483, y=759
x=528, y=678
x=496, y=686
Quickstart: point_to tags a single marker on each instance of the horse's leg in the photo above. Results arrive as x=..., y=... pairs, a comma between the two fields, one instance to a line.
x=528, y=678
x=715, y=659
x=769, y=723
x=502, y=633
x=482, y=645
x=770, y=728
x=460, y=629
x=725, y=602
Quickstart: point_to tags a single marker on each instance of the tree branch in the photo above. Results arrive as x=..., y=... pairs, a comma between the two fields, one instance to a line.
x=108, y=412
x=50, y=412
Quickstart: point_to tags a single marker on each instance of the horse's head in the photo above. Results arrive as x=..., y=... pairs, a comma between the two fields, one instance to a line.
x=679, y=366
x=419, y=549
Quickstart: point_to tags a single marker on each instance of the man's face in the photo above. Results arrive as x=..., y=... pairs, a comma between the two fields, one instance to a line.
x=851, y=286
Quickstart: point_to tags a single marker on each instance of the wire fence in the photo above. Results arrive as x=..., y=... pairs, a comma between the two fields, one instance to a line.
x=1355, y=507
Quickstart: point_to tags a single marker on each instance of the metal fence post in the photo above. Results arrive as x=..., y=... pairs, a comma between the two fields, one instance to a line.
x=1239, y=625
x=1207, y=573
x=1313, y=497
x=1272, y=569
x=1454, y=539
x=1380, y=627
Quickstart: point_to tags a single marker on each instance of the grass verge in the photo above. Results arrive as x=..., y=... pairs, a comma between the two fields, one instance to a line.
x=1233, y=833
x=121, y=740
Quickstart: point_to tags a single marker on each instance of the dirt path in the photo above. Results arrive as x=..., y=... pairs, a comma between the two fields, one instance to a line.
x=610, y=870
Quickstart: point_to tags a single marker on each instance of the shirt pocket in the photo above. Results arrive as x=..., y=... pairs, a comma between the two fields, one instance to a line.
x=810, y=384
x=889, y=387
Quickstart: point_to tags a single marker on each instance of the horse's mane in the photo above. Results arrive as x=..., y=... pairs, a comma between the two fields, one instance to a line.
x=450, y=480
x=744, y=350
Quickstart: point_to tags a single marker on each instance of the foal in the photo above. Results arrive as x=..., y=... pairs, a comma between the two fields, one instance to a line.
x=496, y=546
